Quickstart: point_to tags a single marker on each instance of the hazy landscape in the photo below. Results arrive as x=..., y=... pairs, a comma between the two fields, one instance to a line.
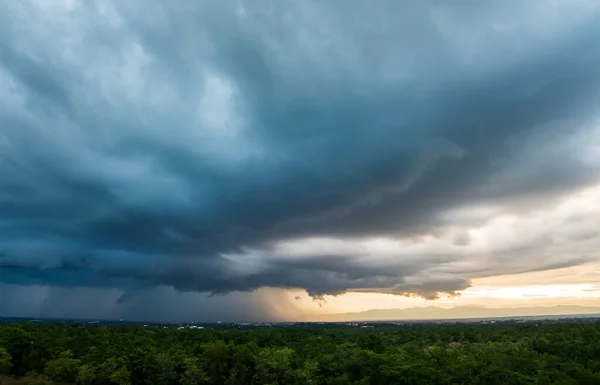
x=304, y=192
x=437, y=313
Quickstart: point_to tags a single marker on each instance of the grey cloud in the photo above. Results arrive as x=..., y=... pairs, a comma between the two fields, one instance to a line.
x=142, y=143
x=153, y=304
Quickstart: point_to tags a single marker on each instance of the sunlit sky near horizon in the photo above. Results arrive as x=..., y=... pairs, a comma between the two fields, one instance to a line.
x=261, y=159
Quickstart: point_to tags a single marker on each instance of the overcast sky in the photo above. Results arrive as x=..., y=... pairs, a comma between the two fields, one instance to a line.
x=264, y=159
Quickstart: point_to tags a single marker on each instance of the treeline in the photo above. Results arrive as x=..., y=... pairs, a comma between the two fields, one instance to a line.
x=526, y=353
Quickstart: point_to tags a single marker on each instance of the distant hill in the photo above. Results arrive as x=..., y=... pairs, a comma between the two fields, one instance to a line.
x=461, y=312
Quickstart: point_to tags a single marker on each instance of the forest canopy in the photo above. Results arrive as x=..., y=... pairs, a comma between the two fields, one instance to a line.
x=536, y=352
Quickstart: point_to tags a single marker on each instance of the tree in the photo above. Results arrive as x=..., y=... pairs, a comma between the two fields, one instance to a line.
x=121, y=376
x=63, y=369
x=506, y=353
x=273, y=364
x=18, y=342
x=193, y=373
x=5, y=361
x=86, y=375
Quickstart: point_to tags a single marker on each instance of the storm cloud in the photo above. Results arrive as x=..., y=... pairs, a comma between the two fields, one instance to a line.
x=220, y=147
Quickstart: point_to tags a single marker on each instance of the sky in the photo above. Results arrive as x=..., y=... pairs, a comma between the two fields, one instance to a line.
x=279, y=160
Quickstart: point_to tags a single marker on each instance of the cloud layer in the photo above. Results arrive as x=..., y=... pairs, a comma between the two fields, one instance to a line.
x=229, y=146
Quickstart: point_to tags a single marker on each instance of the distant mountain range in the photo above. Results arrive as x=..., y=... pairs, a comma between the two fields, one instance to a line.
x=461, y=312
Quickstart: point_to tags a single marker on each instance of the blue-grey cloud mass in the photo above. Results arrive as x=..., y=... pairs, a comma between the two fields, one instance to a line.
x=228, y=146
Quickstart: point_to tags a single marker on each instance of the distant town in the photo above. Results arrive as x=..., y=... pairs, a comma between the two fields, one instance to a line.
x=578, y=318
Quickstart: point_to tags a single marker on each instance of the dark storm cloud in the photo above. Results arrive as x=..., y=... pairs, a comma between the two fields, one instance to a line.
x=147, y=144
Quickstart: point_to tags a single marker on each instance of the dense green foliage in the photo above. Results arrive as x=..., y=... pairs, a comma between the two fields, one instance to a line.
x=500, y=353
